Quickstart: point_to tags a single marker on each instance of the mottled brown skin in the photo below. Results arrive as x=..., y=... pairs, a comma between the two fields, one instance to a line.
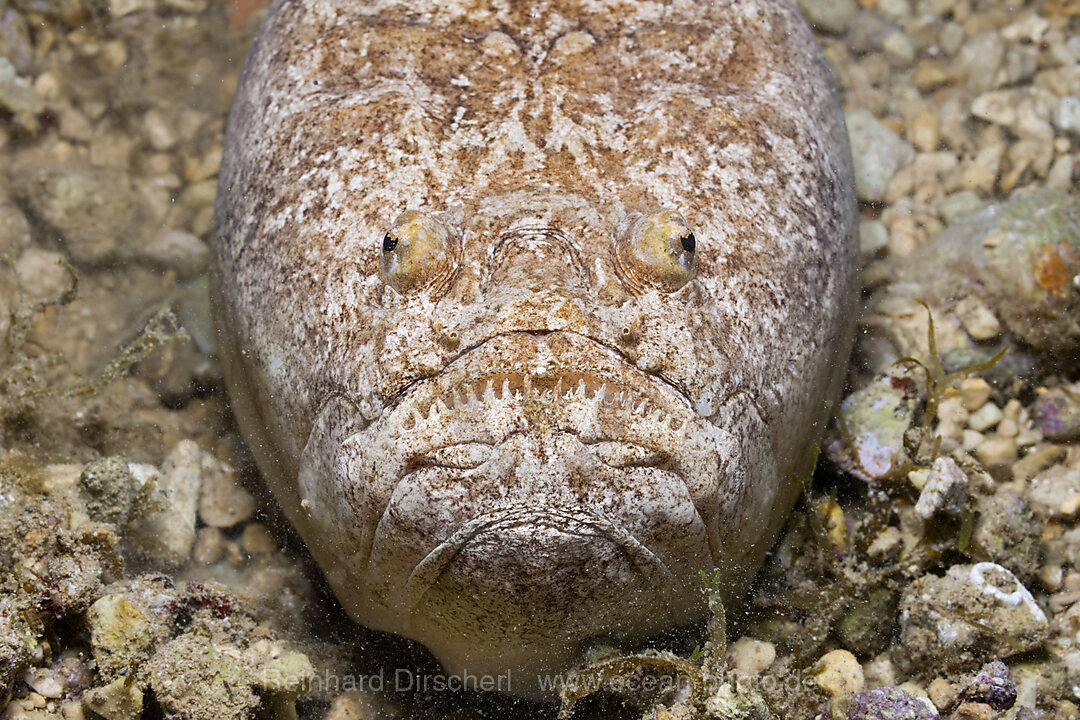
x=544, y=415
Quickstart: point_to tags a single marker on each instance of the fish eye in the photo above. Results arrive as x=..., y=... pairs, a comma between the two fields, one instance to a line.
x=657, y=250
x=417, y=251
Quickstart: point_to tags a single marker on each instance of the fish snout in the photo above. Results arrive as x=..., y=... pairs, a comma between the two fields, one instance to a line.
x=537, y=260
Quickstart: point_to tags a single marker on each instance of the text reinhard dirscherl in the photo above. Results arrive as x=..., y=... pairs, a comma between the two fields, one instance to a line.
x=404, y=680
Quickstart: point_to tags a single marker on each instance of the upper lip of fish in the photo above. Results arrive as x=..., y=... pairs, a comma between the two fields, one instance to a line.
x=427, y=571
x=621, y=364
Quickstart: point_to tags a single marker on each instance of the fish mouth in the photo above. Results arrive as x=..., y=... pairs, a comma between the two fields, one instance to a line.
x=586, y=524
x=542, y=370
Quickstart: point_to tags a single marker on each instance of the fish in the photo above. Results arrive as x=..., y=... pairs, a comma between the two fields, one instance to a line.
x=531, y=311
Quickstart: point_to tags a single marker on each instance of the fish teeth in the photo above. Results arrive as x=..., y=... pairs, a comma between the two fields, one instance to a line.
x=469, y=393
x=437, y=408
x=412, y=419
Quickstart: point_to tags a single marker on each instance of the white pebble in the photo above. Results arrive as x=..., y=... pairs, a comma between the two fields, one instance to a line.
x=1067, y=115
x=751, y=656
x=985, y=417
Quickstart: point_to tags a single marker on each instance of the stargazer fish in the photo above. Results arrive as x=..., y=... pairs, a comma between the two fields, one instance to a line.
x=530, y=310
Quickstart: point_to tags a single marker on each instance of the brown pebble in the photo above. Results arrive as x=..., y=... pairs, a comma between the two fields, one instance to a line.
x=223, y=502
x=943, y=694
x=924, y=131
x=257, y=539
x=209, y=546
x=997, y=452
x=1050, y=577
x=974, y=711
x=1036, y=461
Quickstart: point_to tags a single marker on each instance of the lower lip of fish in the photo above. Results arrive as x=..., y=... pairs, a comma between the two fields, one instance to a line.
x=518, y=547
x=559, y=573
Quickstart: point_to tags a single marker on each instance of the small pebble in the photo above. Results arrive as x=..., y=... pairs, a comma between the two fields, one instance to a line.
x=952, y=418
x=1014, y=411
x=119, y=8
x=942, y=693
x=971, y=439
x=209, y=546
x=839, y=674
x=873, y=237
x=974, y=391
x=903, y=237
x=831, y=16
x=890, y=703
x=119, y=700
x=168, y=534
x=44, y=682
x=179, y=251
x=974, y=711
x=43, y=274
x=1069, y=506
x=898, y=49
x=885, y=543
x=946, y=490
x=223, y=502
x=1008, y=428
x=998, y=107
x=985, y=417
x=1067, y=115
x=979, y=321
x=979, y=60
x=1057, y=413
x=750, y=656
x=879, y=671
x=1051, y=577
x=924, y=131
x=256, y=539
x=997, y=452
x=878, y=154
x=1054, y=490
x=158, y=130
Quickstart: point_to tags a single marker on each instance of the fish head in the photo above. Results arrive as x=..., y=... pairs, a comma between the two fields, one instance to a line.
x=551, y=445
